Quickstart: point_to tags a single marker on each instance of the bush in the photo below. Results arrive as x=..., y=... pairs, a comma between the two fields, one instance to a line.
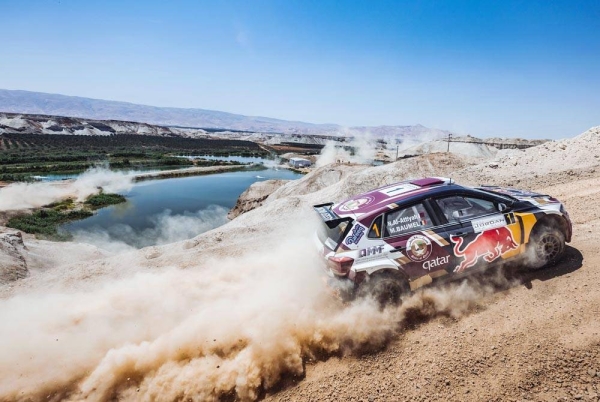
x=63, y=205
x=103, y=200
x=46, y=221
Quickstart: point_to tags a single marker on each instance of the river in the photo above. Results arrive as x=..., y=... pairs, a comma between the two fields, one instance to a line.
x=162, y=211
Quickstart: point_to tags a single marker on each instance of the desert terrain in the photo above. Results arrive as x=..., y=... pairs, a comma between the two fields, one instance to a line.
x=240, y=313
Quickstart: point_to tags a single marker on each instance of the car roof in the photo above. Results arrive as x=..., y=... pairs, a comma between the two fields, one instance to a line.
x=388, y=196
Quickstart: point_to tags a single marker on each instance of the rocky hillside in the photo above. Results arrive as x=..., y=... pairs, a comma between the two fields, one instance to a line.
x=11, y=123
x=471, y=146
x=500, y=143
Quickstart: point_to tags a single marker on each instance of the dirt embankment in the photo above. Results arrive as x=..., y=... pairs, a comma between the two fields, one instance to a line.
x=254, y=196
x=237, y=312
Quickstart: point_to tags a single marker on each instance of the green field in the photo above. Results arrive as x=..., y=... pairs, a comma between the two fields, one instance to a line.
x=24, y=155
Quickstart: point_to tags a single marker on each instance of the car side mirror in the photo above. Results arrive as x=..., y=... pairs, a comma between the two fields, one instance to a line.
x=502, y=207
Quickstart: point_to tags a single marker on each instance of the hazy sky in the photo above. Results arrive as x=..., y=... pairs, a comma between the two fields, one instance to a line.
x=488, y=68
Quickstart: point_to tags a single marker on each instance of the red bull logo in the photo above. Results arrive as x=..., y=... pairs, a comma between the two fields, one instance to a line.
x=490, y=245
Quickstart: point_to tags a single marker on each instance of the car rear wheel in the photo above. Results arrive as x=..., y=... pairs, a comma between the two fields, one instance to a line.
x=547, y=246
x=386, y=289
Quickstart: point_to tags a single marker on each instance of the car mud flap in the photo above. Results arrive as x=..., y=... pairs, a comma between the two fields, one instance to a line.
x=420, y=282
x=426, y=279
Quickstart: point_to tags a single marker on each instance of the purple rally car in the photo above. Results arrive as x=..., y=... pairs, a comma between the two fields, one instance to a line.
x=397, y=238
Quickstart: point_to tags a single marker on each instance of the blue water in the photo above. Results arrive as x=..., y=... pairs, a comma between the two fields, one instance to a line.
x=187, y=196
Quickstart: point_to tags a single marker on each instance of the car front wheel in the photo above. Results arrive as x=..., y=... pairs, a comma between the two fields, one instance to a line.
x=547, y=246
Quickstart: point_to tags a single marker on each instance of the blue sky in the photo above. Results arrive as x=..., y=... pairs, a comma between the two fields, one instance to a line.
x=487, y=68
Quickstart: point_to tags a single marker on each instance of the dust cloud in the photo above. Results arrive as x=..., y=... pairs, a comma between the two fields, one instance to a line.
x=166, y=228
x=364, y=145
x=367, y=147
x=230, y=325
x=33, y=195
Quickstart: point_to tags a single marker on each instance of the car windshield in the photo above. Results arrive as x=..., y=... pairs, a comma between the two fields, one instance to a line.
x=332, y=237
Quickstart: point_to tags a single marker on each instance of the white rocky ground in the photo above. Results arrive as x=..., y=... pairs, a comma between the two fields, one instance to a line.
x=239, y=310
x=11, y=123
x=461, y=148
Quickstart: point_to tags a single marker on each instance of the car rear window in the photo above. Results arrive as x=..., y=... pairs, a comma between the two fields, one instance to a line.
x=332, y=237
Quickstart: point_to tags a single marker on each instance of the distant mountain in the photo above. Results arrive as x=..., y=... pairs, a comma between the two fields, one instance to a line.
x=72, y=106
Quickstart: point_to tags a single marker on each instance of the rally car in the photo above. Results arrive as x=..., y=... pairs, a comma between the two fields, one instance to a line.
x=395, y=239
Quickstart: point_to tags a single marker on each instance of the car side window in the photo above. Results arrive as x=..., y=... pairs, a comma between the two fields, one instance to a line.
x=457, y=208
x=406, y=220
x=375, y=231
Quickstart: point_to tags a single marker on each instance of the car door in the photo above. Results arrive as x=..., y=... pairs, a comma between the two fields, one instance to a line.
x=411, y=230
x=476, y=231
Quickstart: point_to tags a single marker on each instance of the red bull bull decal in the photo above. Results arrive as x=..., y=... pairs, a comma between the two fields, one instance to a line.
x=490, y=245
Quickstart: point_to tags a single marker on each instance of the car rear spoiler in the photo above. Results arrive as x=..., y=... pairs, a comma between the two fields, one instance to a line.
x=330, y=218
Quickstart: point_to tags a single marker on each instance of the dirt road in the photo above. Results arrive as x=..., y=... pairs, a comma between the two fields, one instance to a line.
x=535, y=338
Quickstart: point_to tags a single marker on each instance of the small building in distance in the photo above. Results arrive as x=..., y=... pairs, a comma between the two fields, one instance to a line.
x=299, y=162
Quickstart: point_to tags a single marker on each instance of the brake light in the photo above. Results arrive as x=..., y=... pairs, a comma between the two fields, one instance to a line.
x=340, y=265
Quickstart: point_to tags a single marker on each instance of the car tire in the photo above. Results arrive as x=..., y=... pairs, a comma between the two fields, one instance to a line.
x=386, y=289
x=546, y=247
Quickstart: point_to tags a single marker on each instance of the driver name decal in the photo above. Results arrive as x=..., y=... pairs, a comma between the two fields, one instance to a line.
x=404, y=223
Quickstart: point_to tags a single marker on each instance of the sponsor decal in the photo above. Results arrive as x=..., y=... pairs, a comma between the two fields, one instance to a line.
x=418, y=248
x=436, y=262
x=357, y=234
x=490, y=245
x=326, y=214
x=400, y=189
x=370, y=251
x=488, y=222
x=354, y=204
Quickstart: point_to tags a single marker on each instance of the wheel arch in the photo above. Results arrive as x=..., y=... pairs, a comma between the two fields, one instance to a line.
x=395, y=272
x=552, y=221
x=370, y=286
